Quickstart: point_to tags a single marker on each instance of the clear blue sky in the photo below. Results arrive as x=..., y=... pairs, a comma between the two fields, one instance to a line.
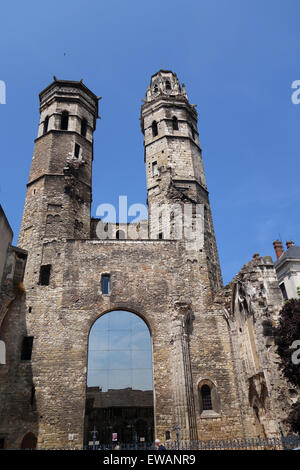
x=238, y=59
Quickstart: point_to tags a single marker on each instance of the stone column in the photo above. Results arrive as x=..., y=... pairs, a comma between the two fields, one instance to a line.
x=184, y=409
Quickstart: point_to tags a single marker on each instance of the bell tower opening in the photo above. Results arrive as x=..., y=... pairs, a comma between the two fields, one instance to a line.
x=119, y=393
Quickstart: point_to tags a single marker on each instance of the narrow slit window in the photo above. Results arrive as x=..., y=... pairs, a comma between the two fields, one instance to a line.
x=105, y=283
x=154, y=129
x=175, y=123
x=64, y=123
x=26, y=351
x=77, y=151
x=46, y=123
x=32, y=395
x=83, y=127
x=45, y=271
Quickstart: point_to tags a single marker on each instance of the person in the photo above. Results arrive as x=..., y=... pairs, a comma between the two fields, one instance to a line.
x=117, y=447
x=158, y=445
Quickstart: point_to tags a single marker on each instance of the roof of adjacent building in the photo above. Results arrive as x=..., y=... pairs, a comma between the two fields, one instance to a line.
x=291, y=253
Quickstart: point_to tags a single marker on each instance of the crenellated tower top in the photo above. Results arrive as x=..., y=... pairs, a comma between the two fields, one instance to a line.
x=165, y=82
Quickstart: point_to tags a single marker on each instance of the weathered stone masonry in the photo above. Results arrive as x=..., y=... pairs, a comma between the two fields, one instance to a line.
x=202, y=334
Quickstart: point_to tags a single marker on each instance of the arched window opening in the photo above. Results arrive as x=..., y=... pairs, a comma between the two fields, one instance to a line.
x=64, y=123
x=29, y=441
x=120, y=235
x=168, y=85
x=46, y=123
x=209, y=402
x=155, y=88
x=2, y=353
x=175, y=123
x=206, y=398
x=154, y=129
x=83, y=127
x=119, y=394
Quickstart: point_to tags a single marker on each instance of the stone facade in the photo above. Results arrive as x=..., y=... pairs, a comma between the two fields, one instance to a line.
x=202, y=334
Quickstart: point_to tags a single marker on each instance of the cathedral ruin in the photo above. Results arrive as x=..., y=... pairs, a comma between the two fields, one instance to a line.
x=132, y=332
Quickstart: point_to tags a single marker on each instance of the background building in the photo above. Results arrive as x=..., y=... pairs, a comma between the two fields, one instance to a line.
x=287, y=267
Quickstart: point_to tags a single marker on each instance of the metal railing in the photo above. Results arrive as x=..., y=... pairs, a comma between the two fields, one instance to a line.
x=259, y=443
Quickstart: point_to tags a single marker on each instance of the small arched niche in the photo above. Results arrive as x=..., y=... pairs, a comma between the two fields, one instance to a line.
x=208, y=398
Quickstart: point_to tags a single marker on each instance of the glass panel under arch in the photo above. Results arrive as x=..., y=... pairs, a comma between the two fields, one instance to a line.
x=119, y=401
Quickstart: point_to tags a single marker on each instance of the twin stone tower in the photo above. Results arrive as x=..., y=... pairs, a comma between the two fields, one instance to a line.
x=211, y=359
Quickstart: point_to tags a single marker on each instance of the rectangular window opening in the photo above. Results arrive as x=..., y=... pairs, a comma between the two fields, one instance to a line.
x=26, y=348
x=154, y=169
x=45, y=271
x=105, y=283
x=76, y=150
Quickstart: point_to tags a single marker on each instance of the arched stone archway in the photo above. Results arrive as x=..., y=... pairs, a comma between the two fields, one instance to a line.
x=119, y=380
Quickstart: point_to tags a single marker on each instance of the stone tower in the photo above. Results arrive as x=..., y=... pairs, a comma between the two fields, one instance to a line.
x=174, y=166
x=58, y=199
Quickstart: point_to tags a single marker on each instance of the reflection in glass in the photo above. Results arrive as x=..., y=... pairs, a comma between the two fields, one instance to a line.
x=119, y=379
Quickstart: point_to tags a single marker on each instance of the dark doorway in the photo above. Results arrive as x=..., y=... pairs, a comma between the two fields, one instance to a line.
x=29, y=441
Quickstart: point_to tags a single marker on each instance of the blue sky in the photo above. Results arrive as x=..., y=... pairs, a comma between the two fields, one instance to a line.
x=237, y=58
